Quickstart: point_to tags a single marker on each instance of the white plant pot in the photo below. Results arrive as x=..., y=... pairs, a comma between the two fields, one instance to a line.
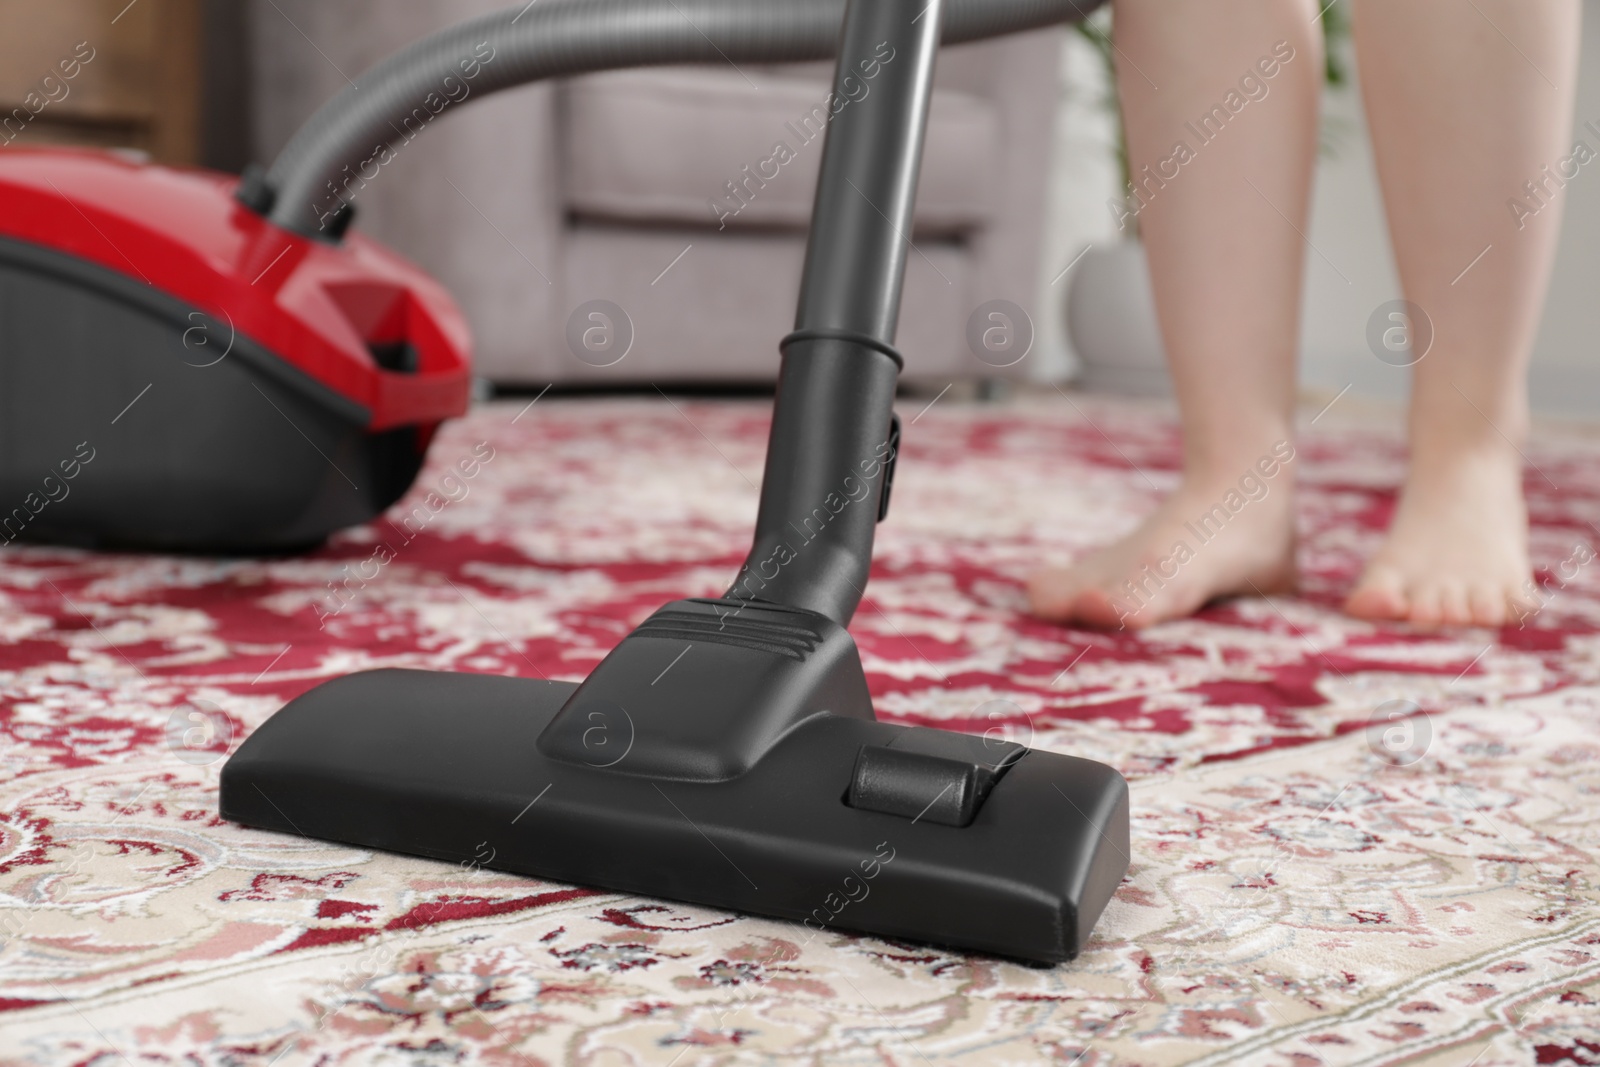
x=1111, y=318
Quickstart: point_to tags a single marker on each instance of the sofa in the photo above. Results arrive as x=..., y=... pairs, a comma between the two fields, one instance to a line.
x=656, y=191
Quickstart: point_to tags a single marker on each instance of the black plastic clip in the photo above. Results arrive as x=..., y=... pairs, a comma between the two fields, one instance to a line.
x=888, y=467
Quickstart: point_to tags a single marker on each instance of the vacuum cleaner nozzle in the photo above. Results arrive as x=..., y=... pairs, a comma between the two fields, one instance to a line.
x=724, y=753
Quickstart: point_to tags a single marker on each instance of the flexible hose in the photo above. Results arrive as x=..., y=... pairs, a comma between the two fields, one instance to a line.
x=313, y=175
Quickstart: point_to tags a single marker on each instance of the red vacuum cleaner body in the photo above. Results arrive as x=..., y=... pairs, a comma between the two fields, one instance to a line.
x=178, y=373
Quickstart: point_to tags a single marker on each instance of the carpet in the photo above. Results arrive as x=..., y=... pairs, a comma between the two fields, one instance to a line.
x=1316, y=877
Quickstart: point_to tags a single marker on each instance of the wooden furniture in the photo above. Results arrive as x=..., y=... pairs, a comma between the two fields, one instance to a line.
x=108, y=73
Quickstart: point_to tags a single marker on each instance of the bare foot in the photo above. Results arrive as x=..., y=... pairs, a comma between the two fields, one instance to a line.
x=1211, y=538
x=1457, y=550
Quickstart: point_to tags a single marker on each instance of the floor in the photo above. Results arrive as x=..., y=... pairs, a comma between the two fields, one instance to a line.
x=1315, y=878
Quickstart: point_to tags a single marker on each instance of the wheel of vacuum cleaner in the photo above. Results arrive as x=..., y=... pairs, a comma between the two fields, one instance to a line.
x=177, y=373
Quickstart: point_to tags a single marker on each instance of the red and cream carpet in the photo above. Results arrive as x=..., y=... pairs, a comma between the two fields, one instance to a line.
x=1304, y=890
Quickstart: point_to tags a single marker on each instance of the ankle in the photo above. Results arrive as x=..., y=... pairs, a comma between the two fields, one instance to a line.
x=1446, y=451
x=1272, y=463
x=1458, y=417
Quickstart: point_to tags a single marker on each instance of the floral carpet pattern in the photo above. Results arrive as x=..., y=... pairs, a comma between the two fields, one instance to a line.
x=1313, y=880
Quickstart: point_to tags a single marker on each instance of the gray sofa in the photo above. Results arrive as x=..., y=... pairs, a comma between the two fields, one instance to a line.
x=663, y=192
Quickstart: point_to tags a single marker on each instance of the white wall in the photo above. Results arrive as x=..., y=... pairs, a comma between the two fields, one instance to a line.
x=1347, y=227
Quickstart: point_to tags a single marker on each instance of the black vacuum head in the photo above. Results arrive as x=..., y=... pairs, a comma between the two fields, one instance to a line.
x=724, y=753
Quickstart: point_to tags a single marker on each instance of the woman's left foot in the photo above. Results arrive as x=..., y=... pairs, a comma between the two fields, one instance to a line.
x=1457, y=550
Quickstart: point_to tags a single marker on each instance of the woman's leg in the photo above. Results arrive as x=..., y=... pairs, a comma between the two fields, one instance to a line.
x=1220, y=100
x=1466, y=101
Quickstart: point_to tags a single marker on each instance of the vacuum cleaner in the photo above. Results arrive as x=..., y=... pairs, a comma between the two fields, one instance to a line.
x=179, y=373
x=725, y=753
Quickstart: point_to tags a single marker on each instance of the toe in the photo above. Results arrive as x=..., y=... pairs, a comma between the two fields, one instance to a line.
x=1425, y=607
x=1453, y=606
x=1097, y=609
x=1523, y=604
x=1380, y=595
x=1487, y=604
x=1051, y=592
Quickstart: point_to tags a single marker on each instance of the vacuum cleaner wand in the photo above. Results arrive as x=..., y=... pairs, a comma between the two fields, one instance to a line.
x=726, y=752
x=833, y=442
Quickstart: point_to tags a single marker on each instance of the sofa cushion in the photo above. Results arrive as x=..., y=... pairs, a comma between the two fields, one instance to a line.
x=722, y=148
x=718, y=313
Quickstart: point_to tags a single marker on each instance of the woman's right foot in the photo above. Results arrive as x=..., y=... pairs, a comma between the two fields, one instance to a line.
x=1212, y=538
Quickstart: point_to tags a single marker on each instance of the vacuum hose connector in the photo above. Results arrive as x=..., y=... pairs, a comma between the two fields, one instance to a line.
x=527, y=43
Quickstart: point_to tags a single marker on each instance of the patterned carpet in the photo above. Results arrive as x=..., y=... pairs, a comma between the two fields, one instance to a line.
x=1305, y=888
